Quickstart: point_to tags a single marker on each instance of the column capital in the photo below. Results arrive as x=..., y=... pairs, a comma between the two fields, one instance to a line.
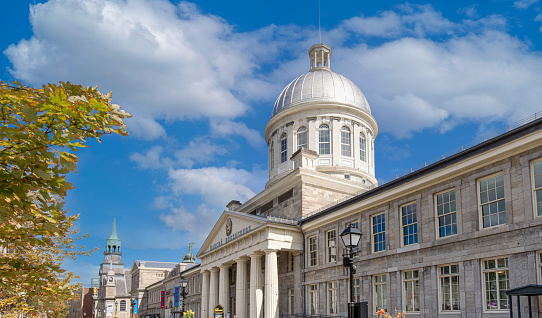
x=224, y=266
x=256, y=254
x=214, y=269
x=267, y=251
x=243, y=259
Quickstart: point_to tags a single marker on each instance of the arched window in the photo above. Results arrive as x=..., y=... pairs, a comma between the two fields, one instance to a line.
x=345, y=142
x=272, y=156
x=323, y=140
x=122, y=305
x=302, y=138
x=362, y=154
x=283, y=147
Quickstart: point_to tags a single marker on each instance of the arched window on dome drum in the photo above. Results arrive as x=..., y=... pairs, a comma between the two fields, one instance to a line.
x=122, y=306
x=272, y=156
x=323, y=140
x=283, y=147
x=362, y=154
x=302, y=138
x=345, y=142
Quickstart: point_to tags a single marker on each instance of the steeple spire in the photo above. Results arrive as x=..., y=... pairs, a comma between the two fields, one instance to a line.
x=113, y=243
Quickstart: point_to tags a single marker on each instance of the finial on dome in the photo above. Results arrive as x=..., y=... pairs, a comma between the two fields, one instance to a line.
x=320, y=57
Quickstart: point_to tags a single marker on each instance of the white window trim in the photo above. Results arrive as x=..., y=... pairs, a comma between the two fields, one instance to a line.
x=483, y=279
x=375, y=294
x=329, y=300
x=479, y=201
x=349, y=144
x=435, y=203
x=328, y=247
x=316, y=250
x=403, y=289
x=283, y=136
x=330, y=139
x=373, y=236
x=402, y=226
x=291, y=305
x=440, y=289
x=315, y=291
x=533, y=192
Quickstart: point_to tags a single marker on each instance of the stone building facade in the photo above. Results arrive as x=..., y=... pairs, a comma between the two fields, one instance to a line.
x=446, y=240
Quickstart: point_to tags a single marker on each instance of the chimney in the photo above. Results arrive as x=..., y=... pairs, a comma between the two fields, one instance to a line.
x=233, y=205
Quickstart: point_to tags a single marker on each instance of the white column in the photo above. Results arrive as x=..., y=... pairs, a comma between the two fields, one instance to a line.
x=224, y=288
x=271, y=285
x=213, y=291
x=241, y=288
x=205, y=294
x=256, y=292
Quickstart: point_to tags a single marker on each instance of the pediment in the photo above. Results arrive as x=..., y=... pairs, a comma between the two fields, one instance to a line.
x=229, y=227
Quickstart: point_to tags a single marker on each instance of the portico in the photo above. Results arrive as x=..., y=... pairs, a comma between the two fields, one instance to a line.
x=243, y=250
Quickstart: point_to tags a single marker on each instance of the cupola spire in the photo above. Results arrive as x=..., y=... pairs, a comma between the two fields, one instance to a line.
x=320, y=57
x=113, y=243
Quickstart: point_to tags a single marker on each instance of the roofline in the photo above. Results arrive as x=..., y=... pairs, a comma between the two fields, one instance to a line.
x=487, y=145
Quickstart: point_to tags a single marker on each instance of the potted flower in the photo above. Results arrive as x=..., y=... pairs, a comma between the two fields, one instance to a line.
x=383, y=314
x=188, y=314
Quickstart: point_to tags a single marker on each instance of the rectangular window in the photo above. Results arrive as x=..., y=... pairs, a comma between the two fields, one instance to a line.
x=323, y=140
x=291, y=298
x=362, y=148
x=411, y=285
x=283, y=148
x=380, y=292
x=449, y=287
x=446, y=208
x=313, y=251
x=379, y=232
x=290, y=262
x=492, y=201
x=496, y=283
x=331, y=239
x=345, y=142
x=409, y=220
x=357, y=289
x=537, y=186
x=313, y=299
x=540, y=268
x=332, y=298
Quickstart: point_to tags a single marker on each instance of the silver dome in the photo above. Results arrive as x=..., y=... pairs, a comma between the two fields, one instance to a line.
x=321, y=85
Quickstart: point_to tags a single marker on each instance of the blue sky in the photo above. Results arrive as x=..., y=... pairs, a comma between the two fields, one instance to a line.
x=201, y=80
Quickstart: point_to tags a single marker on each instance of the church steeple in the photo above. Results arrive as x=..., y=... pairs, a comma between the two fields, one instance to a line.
x=113, y=243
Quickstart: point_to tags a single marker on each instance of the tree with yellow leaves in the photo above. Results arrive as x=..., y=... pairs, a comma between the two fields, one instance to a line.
x=40, y=131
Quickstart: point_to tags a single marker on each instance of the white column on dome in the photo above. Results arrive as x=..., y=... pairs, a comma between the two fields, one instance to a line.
x=241, y=288
x=213, y=290
x=205, y=294
x=256, y=293
x=224, y=288
x=271, y=285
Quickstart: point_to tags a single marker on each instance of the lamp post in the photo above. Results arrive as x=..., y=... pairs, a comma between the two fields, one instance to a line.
x=350, y=237
x=184, y=283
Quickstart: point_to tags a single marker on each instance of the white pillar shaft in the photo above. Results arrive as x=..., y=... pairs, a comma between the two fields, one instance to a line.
x=213, y=291
x=256, y=293
x=205, y=295
x=224, y=288
x=241, y=289
x=271, y=285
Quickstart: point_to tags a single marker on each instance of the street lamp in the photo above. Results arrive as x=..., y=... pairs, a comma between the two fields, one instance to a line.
x=350, y=237
x=184, y=283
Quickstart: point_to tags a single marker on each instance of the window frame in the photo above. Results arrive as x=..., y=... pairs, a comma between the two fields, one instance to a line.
x=373, y=239
x=346, y=141
x=283, y=148
x=331, y=298
x=357, y=289
x=375, y=291
x=479, y=199
x=329, y=248
x=311, y=251
x=404, y=282
x=272, y=156
x=484, y=283
x=321, y=143
x=415, y=203
x=440, y=294
x=313, y=295
x=291, y=301
x=437, y=217
x=290, y=266
x=536, y=213
x=121, y=303
x=362, y=147
x=299, y=133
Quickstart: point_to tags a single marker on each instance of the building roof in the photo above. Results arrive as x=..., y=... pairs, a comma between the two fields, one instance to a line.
x=153, y=264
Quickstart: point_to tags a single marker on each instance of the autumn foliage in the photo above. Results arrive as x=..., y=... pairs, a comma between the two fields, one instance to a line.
x=40, y=131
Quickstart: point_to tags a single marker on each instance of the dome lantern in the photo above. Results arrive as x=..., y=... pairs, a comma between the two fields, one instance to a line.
x=320, y=57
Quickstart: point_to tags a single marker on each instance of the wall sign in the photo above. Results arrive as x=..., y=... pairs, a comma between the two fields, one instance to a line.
x=230, y=237
x=229, y=225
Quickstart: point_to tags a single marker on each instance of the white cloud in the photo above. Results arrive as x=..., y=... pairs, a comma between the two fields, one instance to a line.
x=524, y=4
x=538, y=17
x=216, y=185
x=81, y=268
x=151, y=159
x=196, y=223
x=200, y=150
x=225, y=128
